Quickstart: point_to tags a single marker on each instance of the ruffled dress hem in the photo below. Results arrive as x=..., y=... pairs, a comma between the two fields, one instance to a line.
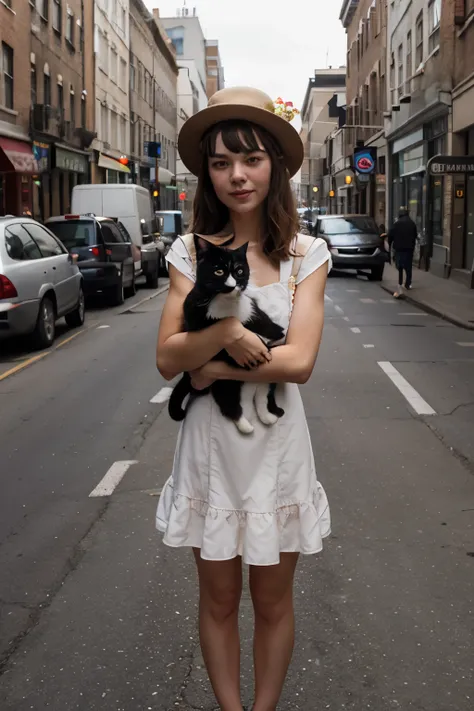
x=259, y=538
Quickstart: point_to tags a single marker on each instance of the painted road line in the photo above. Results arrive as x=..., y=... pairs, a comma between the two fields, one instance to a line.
x=159, y=291
x=338, y=310
x=23, y=365
x=412, y=313
x=355, y=329
x=466, y=344
x=70, y=338
x=112, y=479
x=389, y=301
x=369, y=345
x=346, y=318
x=353, y=291
x=327, y=298
x=162, y=396
x=367, y=301
x=104, y=326
x=413, y=398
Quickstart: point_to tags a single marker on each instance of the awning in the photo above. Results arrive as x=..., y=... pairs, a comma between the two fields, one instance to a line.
x=165, y=176
x=112, y=164
x=17, y=156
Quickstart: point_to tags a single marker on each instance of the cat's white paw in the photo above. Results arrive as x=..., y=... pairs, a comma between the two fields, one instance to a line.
x=268, y=418
x=244, y=426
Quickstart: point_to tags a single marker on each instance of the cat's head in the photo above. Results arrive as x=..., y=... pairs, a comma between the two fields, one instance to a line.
x=220, y=270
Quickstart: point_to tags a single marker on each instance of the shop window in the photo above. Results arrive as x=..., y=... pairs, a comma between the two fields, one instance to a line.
x=7, y=70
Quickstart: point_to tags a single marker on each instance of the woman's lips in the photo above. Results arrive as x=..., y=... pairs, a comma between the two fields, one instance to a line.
x=242, y=194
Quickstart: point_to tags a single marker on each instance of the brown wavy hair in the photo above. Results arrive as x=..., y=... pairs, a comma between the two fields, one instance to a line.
x=211, y=216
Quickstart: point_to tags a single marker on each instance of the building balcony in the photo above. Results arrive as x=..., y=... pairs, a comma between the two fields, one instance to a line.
x=348, y=10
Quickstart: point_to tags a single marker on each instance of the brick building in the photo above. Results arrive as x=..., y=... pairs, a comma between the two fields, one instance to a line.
x=365, y=22
x=462, y=242
x=17, y=161
x=62, y=92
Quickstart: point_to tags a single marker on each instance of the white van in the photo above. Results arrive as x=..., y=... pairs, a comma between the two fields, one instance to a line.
x=132, y=205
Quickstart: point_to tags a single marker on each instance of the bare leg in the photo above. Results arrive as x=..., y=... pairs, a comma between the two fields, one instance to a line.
x=220, y=590
x=272, y=595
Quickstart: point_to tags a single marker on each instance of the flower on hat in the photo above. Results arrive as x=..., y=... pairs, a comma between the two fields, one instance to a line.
x=284, y=109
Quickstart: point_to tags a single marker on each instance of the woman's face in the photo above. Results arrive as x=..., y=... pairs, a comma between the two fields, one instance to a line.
x=241, y=180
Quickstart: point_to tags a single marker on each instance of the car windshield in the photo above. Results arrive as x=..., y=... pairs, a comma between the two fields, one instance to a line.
x=347, y=225
x=74, y=233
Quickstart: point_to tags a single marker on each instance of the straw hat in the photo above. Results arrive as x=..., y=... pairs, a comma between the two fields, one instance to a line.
x=239, y=103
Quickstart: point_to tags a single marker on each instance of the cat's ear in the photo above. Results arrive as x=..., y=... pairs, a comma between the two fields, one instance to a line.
x=201, y=244
x=242, y=251
x=228, y=242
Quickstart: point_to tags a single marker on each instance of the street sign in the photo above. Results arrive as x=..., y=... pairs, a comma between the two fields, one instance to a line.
x=365, y=160
x=451, y=165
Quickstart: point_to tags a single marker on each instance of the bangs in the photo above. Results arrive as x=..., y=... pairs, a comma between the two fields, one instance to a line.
x=237, y=136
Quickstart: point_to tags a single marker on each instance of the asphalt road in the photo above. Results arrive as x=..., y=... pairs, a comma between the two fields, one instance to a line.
x=97, y=614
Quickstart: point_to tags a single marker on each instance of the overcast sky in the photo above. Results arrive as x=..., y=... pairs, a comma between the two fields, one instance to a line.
x=270, y=44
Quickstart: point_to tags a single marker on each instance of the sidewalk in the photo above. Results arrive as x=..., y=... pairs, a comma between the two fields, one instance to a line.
x=444, y=297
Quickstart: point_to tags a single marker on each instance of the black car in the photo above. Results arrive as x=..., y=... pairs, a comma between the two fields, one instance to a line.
x=104, y=254
x=354, y=242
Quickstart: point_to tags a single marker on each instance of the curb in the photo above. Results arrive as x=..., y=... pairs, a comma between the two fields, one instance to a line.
x=445, y=315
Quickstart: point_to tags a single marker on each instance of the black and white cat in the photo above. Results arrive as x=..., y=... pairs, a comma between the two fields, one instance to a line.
x=222, y=277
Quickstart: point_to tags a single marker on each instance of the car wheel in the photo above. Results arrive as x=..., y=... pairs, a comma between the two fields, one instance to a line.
x=132, y=289
x=376, y=273
x=117, y=293
x=45, y=329
x=75, y=319
x=163, y=267
x=152, y=279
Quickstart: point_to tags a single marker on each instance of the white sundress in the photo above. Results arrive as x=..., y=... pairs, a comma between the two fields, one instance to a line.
x=255, y=495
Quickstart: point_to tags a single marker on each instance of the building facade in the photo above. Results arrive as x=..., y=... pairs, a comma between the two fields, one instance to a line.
x=462, y=240
x=153, y=104
x=321, y=113
x=365, y=22
x=112, y=91
x=214, y=69
x=186, y=34
x=18, y=165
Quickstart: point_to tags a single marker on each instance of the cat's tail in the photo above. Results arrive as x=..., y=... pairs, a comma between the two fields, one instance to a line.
x=175, y=405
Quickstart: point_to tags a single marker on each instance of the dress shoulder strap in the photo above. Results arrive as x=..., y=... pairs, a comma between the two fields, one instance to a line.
x=300, y=246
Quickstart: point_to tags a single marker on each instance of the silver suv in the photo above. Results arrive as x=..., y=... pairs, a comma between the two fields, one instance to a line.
x=39, y=282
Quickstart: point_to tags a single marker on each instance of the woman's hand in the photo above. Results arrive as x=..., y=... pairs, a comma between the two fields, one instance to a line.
x=202, y=378
x=249, y=351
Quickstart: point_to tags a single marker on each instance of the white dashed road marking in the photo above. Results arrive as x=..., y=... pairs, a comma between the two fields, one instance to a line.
x=367, y=301
x=104, y=326
x=467, y=344
x=355, y=329
x=162, y=396
x=338, y=310
x=412, y=313
x=369, y=345
x=413, y=398
x=353, y=291
x=112, y=479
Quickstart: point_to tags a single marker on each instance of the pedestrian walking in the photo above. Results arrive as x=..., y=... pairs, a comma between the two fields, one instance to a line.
x=402, y=237
x=238, y=498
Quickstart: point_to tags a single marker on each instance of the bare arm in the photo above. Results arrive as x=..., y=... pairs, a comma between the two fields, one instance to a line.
x=177, y=352
x=293, y=362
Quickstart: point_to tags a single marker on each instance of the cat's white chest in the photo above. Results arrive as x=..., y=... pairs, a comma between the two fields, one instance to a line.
x=231, y=306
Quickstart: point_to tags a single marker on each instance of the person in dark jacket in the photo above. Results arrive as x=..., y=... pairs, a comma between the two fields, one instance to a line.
x=402, y=236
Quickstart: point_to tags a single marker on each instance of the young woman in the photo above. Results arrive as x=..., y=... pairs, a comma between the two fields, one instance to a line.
x=239, y=498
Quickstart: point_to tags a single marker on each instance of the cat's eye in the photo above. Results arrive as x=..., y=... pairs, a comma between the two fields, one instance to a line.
x=240, y=272
x=219, y=272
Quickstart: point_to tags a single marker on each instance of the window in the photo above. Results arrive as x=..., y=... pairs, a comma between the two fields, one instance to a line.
x=61, y=101
x=83, y=111
x=103, y=53
x=176, y=35
x=400, y=70
x=123, y=19
x=72, y=110
x=104, y=123
x=409, y=69
x=34, y=84
x=124, y=143
x=419, y=40
x=7, y=70
x=434, y=18
x=132, y=72
x=111, y=233
x=113, y=64
x=43, y=8
x=113, y=129
x=75, y=233
x=123, y=75
x=392, y=79
x=70, y=27
x=46, y=242
x=19, y=244
x=46, y=90
x=57, y=15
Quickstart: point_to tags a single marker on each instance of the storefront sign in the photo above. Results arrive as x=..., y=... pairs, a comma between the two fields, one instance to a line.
x=42, y=153
x=75, y=162
x=365, y=160
x=459, y=191
x=451, y=165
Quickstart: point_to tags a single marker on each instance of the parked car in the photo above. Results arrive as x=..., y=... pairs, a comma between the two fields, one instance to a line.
x=132, y=205
x=104, y=254
x=354, y=242
x=39, y=282
x=170, y=225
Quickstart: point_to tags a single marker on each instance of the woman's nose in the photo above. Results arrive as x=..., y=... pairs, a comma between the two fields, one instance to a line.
x=238, y=173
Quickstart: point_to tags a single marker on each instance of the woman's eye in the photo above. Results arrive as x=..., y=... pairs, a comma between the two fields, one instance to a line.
x=219, y=272
x=220, y=164
x=253, y=160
